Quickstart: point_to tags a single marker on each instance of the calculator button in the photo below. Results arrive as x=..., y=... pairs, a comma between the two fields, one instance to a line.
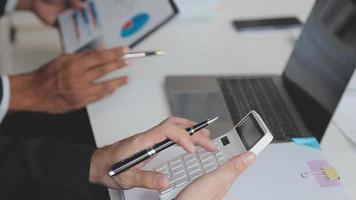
x=190, y=158
x=163, y=169
x=193, y=169
x=220, y=157
x=180, y=181
x=201, y=150
x=206, y=155
x=166, y=190
x=195, y=175
x=175, y=164
x=221, y=161
x=192, y=163
x=207, y=161
x=211, y=167
x=177, y=170
x=177, y=176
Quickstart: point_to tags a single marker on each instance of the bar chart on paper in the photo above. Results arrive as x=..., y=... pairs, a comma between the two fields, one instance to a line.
x=81, y=26
x=112, y=23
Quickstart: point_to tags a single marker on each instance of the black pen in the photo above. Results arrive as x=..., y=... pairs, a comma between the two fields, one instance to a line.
x=149, y=152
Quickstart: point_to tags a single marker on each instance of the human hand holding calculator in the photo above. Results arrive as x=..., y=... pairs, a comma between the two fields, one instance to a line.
x=249, y=135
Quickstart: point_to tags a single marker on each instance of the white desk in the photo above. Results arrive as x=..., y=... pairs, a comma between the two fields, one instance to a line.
x=203, y=47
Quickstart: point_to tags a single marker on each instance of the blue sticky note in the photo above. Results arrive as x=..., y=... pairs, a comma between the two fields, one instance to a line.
x=309, y=141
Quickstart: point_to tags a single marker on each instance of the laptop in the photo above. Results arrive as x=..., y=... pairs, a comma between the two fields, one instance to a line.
x=298, y=103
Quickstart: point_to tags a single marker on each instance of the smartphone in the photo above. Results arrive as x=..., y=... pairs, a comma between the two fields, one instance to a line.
x=250, y=134
x=268, y=23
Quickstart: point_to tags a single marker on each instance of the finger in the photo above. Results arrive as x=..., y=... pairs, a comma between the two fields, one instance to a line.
x=202, y=139
x=100, y=71
x=185, y=122
x=173, y=132
x=149, y=180
x=99, y=57
x=104, y=89
x=78, y=4
x=234, y=167
x=180, y=136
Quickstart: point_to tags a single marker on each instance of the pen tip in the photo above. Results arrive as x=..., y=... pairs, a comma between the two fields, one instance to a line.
x=160, y=52
x=213, y=119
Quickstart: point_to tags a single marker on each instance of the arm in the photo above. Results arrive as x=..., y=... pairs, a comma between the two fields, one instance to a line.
x=68, y=82
x=7, y=6
x=2, y=7
x=44, y=169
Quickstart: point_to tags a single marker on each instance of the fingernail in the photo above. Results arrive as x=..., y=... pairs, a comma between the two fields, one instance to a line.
x=193, y=150
x=206, y=131
x=125, y=50
x=215, y=147
x=127, y=62
x=126, y=79
x=162, y=182
x=249, y=158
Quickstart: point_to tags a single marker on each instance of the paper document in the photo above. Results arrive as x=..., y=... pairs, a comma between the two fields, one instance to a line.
x=113, y=23
x=275, y=175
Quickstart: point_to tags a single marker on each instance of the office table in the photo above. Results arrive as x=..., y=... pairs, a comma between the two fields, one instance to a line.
x=195, y=47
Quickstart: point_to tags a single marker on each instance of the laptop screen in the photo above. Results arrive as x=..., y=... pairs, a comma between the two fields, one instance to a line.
x=322, y=62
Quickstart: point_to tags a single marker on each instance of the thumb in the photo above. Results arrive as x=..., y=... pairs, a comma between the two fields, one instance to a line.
x=238, y=164
x=150, y=180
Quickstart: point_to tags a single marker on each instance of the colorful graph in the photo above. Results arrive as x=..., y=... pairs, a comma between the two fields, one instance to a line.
x=134, y=25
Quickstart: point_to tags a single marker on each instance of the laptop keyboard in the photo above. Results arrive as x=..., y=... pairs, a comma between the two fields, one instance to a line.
x=245, y=94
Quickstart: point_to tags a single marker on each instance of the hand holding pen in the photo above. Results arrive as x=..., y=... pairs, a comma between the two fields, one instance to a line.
x=172, y=129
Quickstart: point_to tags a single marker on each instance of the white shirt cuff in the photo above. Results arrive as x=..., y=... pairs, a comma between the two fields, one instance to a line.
x=10, y=6
x=5, y=101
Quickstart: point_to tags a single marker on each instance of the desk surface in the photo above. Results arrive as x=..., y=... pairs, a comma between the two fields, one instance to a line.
x=209, y=46
x=194, y=47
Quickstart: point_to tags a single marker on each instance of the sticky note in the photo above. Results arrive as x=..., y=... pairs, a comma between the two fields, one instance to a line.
x=324, y=181
x=309, y=141
x=331, y=173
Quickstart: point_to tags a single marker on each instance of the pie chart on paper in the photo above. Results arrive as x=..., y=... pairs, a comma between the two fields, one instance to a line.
x=134, y=25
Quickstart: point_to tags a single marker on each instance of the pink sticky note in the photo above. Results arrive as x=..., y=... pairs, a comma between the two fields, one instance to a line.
x=317, y=165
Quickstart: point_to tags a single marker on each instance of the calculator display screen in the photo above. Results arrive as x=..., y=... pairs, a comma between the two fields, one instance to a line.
x=250, y=132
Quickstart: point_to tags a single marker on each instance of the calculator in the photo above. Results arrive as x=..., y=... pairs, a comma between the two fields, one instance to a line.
x=250, y=134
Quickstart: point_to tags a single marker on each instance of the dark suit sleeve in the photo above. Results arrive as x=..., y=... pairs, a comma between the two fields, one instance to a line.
x=2, y=7
x=45, y=169
x=1, y=89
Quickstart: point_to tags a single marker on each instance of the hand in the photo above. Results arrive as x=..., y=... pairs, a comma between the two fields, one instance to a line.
x=214, y=185
x=49, y=10
x=172, y=128
x=68, y=82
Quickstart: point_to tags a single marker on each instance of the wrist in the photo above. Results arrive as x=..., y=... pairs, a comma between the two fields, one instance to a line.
x=24, y=5
x=22, y=92
x=93, y=172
